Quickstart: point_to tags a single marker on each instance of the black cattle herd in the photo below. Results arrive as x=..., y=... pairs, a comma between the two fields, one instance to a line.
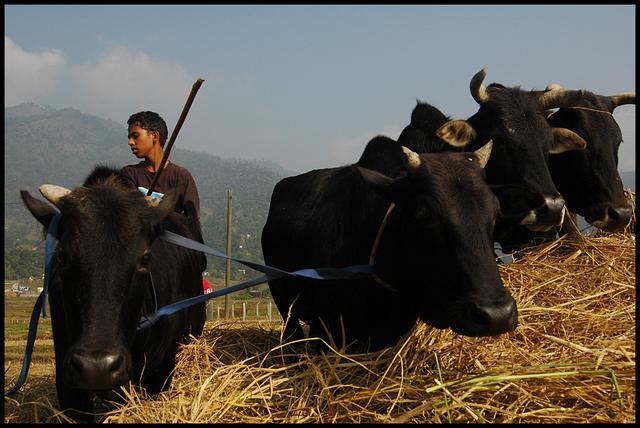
x=424, y=210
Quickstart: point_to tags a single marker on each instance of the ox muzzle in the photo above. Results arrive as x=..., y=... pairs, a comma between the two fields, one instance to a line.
x=547, y=216
x=487, y=318
x=97, y=368
x=608, y=217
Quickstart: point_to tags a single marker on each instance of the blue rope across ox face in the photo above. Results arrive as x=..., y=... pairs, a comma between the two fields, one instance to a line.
x=270, y=273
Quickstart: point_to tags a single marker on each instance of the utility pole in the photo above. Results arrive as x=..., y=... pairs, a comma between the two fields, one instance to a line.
x=227, y=272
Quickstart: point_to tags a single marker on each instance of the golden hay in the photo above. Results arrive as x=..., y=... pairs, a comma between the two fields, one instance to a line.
x=571, y=360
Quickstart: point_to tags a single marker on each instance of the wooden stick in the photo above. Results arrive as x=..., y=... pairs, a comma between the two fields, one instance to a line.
x=174, y=134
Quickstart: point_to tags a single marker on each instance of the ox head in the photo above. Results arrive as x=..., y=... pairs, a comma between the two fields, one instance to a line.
x=101, y=269
x=437, y=245
x=431, y=131
x=523, y=140
x=588, y=179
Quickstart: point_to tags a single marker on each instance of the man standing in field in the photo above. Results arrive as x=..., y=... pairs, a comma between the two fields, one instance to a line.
x=147, y=134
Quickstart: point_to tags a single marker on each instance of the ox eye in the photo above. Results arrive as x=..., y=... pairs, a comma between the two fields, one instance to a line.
x=145, y=260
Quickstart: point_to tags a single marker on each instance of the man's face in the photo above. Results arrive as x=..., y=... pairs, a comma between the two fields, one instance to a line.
x=141, y=141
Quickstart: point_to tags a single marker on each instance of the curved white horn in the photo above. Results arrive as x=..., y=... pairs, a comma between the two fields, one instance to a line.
x=478, y=90
x=623, y=98
x=53, y=192
x=557, y=97
x=483, y=153
x=413, y=159
x=553, y=87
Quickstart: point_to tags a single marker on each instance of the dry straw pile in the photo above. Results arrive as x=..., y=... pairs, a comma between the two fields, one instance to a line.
x=571, y=359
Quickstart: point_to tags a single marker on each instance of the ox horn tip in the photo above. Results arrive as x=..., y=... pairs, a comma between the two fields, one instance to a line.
x=478, y=90
x=553, y=87
x=480, y=75
x=53, y=192
x=413, y=159
x=483, y=153
x=623, y=98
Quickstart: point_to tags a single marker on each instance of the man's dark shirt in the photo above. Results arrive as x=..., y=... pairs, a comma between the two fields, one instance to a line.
x=172, y=177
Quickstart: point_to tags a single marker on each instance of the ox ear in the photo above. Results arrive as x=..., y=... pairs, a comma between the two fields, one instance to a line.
x=381, y=183
x=564, y=140
x=42, y=211
x=457, y=133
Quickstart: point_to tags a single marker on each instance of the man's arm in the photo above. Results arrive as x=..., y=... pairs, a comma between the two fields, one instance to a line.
x=190, y=190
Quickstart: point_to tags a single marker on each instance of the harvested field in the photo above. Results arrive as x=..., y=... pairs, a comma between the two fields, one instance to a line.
x=571, y=360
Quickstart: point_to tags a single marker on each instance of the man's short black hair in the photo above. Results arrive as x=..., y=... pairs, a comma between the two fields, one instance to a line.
x=151, y=121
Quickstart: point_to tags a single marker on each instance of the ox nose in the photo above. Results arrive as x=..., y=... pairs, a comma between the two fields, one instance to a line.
x=618, y=218
x=550, y=214
x=494, y=319
x=608, y=217
x=98, y=369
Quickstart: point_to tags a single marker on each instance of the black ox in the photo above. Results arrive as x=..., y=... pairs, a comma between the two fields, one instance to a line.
x=589, y=180
x=433, y=258
x=518, y=171
x=109, y=271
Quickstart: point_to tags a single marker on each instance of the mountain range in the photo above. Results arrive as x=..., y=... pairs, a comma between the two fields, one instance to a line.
x=45, y=145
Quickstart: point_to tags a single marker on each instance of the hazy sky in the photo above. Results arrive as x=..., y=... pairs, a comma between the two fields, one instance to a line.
x=308, y=86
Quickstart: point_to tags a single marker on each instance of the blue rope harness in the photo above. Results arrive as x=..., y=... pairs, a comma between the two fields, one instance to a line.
x=350, y=272
x=41, y=302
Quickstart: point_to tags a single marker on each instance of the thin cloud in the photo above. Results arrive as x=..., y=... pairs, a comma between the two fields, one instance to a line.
x=124, y=81
x=30, y=76
x=118, y=83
